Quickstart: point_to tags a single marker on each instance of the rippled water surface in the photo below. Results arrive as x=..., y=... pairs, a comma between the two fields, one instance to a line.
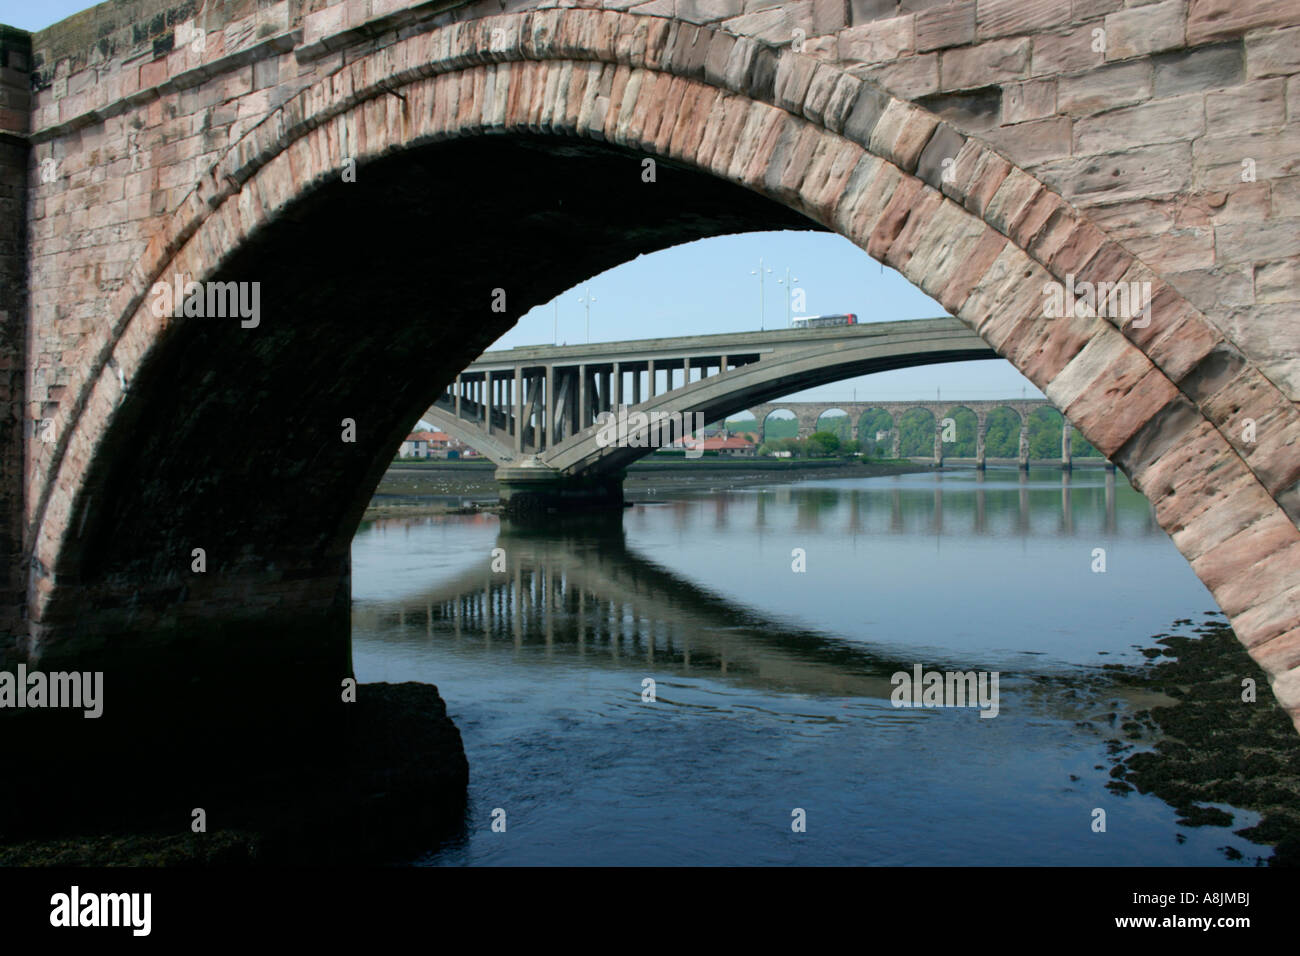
x=772, y=687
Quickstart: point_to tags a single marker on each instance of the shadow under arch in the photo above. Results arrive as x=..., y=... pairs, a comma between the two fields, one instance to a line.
x=373, y=293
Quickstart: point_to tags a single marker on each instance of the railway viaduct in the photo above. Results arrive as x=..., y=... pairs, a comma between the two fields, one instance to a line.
x=808, y=415
x=390, y=180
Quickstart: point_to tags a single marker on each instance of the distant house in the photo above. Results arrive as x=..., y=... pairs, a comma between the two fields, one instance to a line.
x=430, y=444
x=416, y=445
x=732, y=446
x=725, y=445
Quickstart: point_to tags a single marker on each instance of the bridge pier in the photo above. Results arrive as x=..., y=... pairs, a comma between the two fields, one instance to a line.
x=529, y=491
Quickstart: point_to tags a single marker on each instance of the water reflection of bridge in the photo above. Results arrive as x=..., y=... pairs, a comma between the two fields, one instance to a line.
x=588, y=595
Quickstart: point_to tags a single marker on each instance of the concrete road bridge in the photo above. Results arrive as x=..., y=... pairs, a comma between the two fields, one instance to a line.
x=353, y=198
x=538, y=411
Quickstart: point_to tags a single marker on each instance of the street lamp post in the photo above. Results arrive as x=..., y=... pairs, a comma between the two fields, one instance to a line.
x=762, y=305
x=586, y=301
x=789, y=294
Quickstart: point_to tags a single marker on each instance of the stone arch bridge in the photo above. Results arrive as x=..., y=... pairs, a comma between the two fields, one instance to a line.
x=375, y=174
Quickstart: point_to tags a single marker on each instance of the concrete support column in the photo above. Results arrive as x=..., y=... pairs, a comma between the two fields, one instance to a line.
x=980, y=428
x=636, y=386
x=896, y=446
x=457, y=388
x=573, y=412
x=1023, y=459
x=616, y=389
x=651, y=381
x=582, y=397
x=528, y=493
x=938, y=441
x=536, y=409
x=519, y=410
x=1067, y=430
x=550, y=406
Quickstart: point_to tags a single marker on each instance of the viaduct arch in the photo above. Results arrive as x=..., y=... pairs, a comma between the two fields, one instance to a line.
x=159, y=427
x=809, y=414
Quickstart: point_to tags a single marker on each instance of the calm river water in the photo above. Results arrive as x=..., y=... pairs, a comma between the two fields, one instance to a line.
x=772, y=686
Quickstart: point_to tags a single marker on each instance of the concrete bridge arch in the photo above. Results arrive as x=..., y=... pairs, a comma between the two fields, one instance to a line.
x=975, y=230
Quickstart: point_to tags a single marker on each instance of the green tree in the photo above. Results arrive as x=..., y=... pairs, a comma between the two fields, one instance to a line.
x=838, y=425
x=776, y=427
x=1002, y=434
x=873, y=422
x=822, y=444
x=916, y=433
x=1045, y=426
x=1079, y=447
x=966, y=424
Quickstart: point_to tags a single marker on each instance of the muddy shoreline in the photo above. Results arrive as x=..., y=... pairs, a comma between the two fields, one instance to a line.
x=1197, y=726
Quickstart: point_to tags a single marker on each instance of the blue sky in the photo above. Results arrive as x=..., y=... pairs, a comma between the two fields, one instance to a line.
x=707, y=286
x=38, y=14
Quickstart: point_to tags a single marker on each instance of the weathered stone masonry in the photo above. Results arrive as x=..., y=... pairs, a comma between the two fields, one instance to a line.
x=15, y=105
x=982, y=148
